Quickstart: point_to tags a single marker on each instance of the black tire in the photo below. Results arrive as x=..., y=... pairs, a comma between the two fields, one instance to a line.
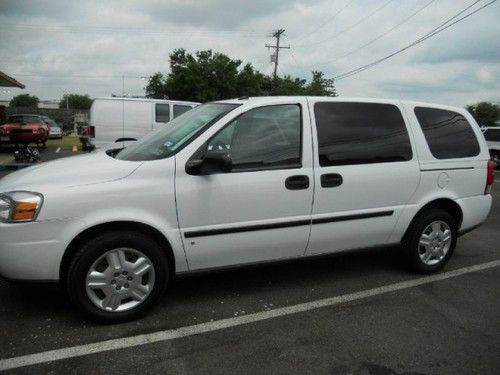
x=90, y=251
x=412, y=238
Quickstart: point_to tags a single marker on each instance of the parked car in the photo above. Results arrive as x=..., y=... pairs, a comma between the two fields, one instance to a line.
x=24, y=129
x=55, y=131
x=492, y=136
x=243, y=181
x=126, y=119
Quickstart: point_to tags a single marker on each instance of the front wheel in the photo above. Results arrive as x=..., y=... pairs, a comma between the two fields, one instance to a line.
x=430, y=240
x=117, y=276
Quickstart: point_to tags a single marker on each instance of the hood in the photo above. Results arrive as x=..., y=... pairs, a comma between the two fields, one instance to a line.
x=93, y=168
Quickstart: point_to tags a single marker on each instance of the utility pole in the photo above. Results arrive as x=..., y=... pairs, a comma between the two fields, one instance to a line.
x=275, y=57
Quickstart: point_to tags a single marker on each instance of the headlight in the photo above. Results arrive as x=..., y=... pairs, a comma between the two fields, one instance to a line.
x=20, y=206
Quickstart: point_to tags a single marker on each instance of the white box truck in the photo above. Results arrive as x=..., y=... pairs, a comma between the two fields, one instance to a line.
x=128, y=119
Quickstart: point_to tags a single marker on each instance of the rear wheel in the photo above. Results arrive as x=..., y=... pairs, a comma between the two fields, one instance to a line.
x=117, y=276
x=430, y=240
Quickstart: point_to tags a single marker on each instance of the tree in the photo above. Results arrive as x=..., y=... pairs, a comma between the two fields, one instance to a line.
x=75, y=101
x=485, y=113
x=24, y=100
x=207, y=76
x=156, y=87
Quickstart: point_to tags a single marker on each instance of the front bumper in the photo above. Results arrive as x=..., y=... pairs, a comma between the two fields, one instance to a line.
x=32, y=251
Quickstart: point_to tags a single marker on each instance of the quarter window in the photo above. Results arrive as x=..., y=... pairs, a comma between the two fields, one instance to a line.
x=262, y=138
x=492, y=135
x=360, y=133
x=162, y=112
x=448, y=134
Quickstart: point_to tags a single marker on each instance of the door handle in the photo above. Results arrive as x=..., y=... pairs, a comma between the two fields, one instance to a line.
x=297, y=182
x=331, y=180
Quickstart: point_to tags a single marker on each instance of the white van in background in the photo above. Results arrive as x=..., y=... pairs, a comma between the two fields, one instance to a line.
x=128, y=119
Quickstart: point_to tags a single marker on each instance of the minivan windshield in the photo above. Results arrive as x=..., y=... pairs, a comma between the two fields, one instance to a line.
x=172, y=136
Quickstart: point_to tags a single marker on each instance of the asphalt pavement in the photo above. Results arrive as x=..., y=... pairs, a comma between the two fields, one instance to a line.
x=355, y=313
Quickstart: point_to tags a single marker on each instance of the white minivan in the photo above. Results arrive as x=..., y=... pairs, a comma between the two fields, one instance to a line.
x=116, y=119
x=244, y=181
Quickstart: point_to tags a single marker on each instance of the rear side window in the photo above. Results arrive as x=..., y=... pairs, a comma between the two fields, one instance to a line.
x=360, y=133
x=162, y=112
x=492, y=135
x=448, y=134
x=180, y=109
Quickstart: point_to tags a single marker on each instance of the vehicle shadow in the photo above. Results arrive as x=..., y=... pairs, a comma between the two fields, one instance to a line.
x=39, y=300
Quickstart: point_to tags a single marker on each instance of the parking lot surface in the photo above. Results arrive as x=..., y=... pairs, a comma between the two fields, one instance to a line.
x=446, y=326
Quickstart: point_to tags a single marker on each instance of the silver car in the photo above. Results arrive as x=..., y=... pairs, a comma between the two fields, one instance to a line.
x=55, y=131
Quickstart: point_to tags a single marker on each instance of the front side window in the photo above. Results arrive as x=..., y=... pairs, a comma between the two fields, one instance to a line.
x=265, y=137
x=167, y=140
x=162, y=112
x=448, y=134
x=180, y=109
x=360, y=133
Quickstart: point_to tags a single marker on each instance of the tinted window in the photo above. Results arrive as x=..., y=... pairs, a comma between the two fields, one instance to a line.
x=180, y=109
x=162, y=112
x=448, y=134
x=263, y=137
x=360, y=133
x=492, y=135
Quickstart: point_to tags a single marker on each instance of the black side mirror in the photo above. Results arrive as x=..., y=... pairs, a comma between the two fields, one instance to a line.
x=212, y=162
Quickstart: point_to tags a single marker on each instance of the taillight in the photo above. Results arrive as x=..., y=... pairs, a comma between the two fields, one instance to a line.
x=89, y=131
x=490, y=176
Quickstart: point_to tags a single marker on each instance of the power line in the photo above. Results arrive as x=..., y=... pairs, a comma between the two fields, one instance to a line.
x=349, y=28
x=385, y=33
x=86, y=29
x=43, y=75
x=327, y=21
x=445, y=25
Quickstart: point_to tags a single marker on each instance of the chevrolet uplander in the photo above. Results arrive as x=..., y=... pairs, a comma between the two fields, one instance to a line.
x=244, y=181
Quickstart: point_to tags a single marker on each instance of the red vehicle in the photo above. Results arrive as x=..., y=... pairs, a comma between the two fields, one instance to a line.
x=24, y=129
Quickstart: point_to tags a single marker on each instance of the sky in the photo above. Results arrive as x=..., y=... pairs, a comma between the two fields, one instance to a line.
x=108, y=47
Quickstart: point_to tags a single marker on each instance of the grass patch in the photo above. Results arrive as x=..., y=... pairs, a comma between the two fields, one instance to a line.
x=65, y=142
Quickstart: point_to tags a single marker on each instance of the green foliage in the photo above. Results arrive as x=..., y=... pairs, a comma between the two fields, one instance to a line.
x=209, y=76
x=75, y=101
x=485, y=113
x=24, y=100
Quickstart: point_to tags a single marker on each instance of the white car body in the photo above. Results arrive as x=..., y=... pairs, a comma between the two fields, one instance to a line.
x=118, y=118
x=213, y=221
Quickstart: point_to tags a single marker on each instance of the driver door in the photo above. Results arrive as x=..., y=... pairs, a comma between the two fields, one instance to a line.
x=261, y=209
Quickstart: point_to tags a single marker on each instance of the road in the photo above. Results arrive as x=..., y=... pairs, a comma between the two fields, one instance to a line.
x=274, y=319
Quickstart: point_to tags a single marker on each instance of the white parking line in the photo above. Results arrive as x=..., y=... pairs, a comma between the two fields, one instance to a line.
x=58, y=149
x=132, y=341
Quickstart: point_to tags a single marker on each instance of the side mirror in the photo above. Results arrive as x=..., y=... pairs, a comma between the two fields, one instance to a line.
x=211, y=163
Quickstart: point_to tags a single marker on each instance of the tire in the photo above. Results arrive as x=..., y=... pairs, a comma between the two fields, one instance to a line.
x=415, y=251
x=134, y=246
